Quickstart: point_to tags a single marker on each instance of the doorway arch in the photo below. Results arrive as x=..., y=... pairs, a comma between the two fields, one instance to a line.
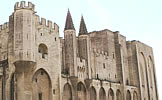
x=128, y=95
x=102, y=94
x=42, y=85
x=93, y=93
x=118, y=95
x=111, y=94
x=67, y=92
x=81, y=91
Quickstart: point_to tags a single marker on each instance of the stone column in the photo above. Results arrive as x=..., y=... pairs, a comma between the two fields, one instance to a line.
x=0, y=87
x=88, y=94
x=20, y=85
x=97, y=93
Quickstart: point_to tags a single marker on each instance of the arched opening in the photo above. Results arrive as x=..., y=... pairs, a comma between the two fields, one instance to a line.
x=67, y=92
x=12, y=89
x=110, y=94
x=128, y=95
x=43, y=50
x=118, y=95
x=42, y=85
x=150, y=72
x=81, y=91
x=144, y=75
x=135, y=96
x=142, y=68
x=102, y=94
x=92, y=93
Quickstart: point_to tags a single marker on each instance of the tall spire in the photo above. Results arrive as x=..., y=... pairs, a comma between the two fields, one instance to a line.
x=69, y=22
x=83, y=29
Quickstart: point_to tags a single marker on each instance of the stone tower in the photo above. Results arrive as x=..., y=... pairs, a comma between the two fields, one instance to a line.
x=24, y=29
x=70, y=46
x=84, y=45
x=23, y=46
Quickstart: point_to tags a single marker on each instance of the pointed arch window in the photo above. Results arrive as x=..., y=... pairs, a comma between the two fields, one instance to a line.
x=43, y=50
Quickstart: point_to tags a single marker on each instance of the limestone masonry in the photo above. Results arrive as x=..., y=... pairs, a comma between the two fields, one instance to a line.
x=37, y=64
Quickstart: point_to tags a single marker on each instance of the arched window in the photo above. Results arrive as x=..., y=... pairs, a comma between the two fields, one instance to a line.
x=92, y=93
x=43, y=50
x=81, y=91
x=118, y=95
x=142, y=68
x=67, y=92
x=128, y=95
x=102, y=94
x=135, y=96
x=42, y=85
x=110, y=94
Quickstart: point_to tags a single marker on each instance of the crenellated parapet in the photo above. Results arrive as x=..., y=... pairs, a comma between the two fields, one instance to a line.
x=4, y=26
x=47, y=23
x=100, y=53
x=22, y=5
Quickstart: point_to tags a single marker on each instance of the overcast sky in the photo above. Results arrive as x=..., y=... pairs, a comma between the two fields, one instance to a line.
x=136, y=19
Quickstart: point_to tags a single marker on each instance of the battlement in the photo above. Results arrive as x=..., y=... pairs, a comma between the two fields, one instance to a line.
x=101, y=31
x=47, y=23
x=22, y=5
x=100, y=53
x=4, y=26
x=138, y=42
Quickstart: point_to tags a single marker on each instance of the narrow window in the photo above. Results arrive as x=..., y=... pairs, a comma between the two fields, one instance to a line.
x=113, y=55
x=127, y=82
x=41, y=34
x=97, y=76
x=40, y=96
x=27, y=54
x=54, y=91
x=55, y=38
x=43, y=50
x=104, y=65
x=27, y=36
x=36, y=80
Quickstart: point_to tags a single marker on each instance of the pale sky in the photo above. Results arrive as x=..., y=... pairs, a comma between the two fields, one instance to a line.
x=136, y=19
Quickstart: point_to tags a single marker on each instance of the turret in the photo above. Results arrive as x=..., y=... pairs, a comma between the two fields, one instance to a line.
x=24, y=32
x=84, y=45
x=22, y=5
x=83, y=28
x=70, y=46
x=22, y=26
x=69, y=22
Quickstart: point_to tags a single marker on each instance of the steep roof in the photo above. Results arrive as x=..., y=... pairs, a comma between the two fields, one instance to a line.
x=69, y=22
x=83, y=28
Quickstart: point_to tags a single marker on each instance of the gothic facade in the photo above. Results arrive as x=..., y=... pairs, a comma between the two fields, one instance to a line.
x=37, y=64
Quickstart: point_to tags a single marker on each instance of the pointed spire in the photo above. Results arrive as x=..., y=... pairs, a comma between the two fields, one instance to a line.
x=83, y=28
x=69, y=22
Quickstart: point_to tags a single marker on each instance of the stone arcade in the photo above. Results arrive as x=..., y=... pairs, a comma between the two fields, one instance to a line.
x=37, y=64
